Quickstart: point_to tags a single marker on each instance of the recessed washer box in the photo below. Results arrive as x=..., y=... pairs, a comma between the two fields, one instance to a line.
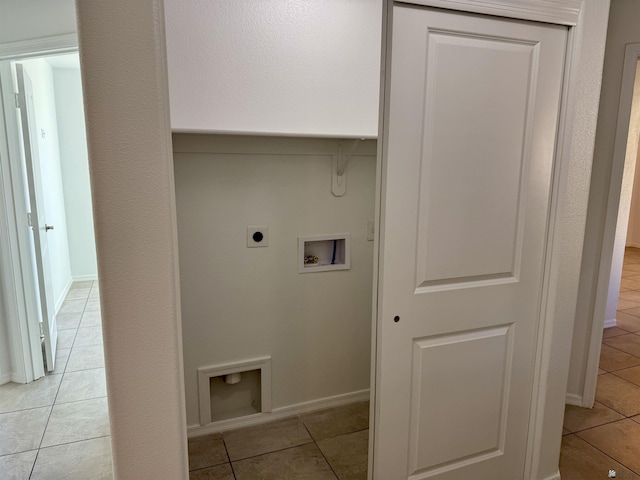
x=249, y=394
x=324, y=252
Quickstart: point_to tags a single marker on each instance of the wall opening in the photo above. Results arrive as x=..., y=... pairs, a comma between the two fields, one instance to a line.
x=234, y=390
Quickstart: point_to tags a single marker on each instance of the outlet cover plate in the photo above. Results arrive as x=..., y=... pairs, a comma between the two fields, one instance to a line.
x=371, y=230
x=251, y=231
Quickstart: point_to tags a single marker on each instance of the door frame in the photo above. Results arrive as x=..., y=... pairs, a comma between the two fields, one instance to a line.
x=615, y=221
x=567, y=215
x=16, y=272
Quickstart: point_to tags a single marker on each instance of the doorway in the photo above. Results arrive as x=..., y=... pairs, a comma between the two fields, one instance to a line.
x=617, y=219
x=59, y=168
x=62, y=381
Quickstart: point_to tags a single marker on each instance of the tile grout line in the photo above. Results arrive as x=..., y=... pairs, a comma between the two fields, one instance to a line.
x=57, y=392
x=625, y=417
x=27, y=409
x=612, y=408
x=74, y=441
x=268, y=453
x=613, y=373
x=616, y=348
x=73, y=344
x=600, y=425
x=81, y=400
x=226, y=450
x=311, y=440
x=51, y=406
x=606, y=454
x=622, y=378
x=33, y=467
x=318, y=447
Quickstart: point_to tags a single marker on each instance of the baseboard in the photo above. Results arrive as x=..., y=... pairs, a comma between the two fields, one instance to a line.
x=6, y=378
x=60, y=299
x=573, y=399
x=610, y=323
x=634, y=245
x=85, y=278
x=278, y=413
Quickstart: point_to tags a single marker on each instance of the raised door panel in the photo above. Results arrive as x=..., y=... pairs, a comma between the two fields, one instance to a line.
x=476, y=132
x=444, y=406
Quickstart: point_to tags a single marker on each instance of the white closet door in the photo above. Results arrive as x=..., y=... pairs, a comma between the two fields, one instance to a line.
x=467, y=167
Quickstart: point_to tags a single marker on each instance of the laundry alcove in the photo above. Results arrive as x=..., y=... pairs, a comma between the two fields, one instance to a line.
x=240, y=303
x=278, y=102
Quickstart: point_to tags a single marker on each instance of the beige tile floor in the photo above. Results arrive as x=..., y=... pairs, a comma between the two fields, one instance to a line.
x=58, y=426
x=330, y=444
x=608, y=436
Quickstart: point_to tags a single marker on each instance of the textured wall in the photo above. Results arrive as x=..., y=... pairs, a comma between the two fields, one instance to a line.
x=6, y=350
x=28, y=19
x=240, y=303
x=564, y=269
x=128, y=134
x=308, y=67
x=623, y=29
x=75, y=173
x=281, y=66
x=627, y=217
x=633, y=234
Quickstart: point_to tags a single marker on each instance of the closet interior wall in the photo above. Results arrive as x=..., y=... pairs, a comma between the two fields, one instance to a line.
x=241, y=303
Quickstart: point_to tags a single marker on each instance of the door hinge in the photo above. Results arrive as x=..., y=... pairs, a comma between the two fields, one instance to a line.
x=16, y=97
x=29, y=219
x=41, y=330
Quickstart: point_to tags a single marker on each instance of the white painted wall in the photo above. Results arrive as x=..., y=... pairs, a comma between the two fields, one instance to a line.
x=633, y=230
x=6, y=350
x=74, y=163
x=6, y=345
x=28, y=19
x=298, y=67
x=568, y=233
x=240, y=303
x=48, y=146
x=623, y=29
x=131, y=162
x=308, y=67
x=625, y=211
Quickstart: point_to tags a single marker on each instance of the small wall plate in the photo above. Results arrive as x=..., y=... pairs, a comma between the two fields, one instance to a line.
x=257, y=237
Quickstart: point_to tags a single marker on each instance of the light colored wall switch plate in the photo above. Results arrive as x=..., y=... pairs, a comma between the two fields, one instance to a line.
x=257, y=237
x=371, y=230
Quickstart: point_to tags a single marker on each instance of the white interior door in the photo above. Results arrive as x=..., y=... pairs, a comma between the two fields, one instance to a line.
x=470, y=130
x=39, y=226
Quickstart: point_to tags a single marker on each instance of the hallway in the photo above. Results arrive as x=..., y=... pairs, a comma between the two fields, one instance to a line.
x=608, y=436
x=58, y=426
